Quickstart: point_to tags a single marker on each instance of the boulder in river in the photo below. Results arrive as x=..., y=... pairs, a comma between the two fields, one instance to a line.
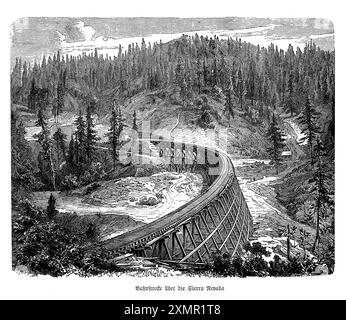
x=148, y=200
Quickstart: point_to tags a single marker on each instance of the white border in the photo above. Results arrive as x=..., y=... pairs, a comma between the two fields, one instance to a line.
x=13, y=286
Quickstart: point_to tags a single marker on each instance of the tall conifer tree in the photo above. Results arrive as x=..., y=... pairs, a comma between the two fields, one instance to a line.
x=309, y=126
x=276, y=140
x=113, y=134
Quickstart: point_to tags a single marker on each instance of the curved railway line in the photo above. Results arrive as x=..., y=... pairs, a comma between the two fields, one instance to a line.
x=218, y=220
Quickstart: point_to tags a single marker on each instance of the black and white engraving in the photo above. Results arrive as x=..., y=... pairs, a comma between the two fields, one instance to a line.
x=172, y=146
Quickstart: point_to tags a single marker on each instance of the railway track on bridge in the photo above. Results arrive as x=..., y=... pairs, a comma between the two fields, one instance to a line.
x=217, y=221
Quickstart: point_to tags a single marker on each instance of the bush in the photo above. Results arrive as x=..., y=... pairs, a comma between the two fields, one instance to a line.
x=253, y=264
x=256, y=249
x=70, y=182
x=205, y=121
x=222, y=263
x=94, y=173
x=45, y=247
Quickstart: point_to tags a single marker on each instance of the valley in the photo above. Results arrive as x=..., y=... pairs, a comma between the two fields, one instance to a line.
x=89, y=173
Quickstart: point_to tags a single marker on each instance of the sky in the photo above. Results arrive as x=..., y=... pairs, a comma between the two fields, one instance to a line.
x=31, y=38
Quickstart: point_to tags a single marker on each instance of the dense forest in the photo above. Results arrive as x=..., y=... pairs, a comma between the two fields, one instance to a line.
x=269, y=76
x=261, y=84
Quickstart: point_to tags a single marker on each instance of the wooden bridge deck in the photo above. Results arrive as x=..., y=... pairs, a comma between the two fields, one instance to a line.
x=216, y=221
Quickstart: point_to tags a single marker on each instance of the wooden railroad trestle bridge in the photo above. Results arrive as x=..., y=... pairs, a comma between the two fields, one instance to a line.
x=217, y=221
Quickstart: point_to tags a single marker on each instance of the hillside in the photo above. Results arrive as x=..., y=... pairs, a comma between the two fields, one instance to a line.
x=239, y=137
x=72, y=116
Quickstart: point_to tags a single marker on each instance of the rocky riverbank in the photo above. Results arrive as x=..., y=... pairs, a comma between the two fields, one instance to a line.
x=271, y=221
x=121, y=205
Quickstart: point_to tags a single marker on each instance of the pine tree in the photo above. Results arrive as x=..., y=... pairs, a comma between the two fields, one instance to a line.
x=290, y=101
x=32, y=96
x=60, y=144
x=80, y=139
x=51, y=211
x=241, y=90
x=71, y=154
x=180, y=80
x=276, y=140
x=224, y=73
x=16, y=80
x=308, y=122
x=229, y=103
x=45, y=156
x=22, y=168
x=40, y=122
x=25, y=79
x=251, y=82
x=199, y=75
x=323, y=201
x=113, y=134
x=91, y=136
x=215, y=74
x=59, y=103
